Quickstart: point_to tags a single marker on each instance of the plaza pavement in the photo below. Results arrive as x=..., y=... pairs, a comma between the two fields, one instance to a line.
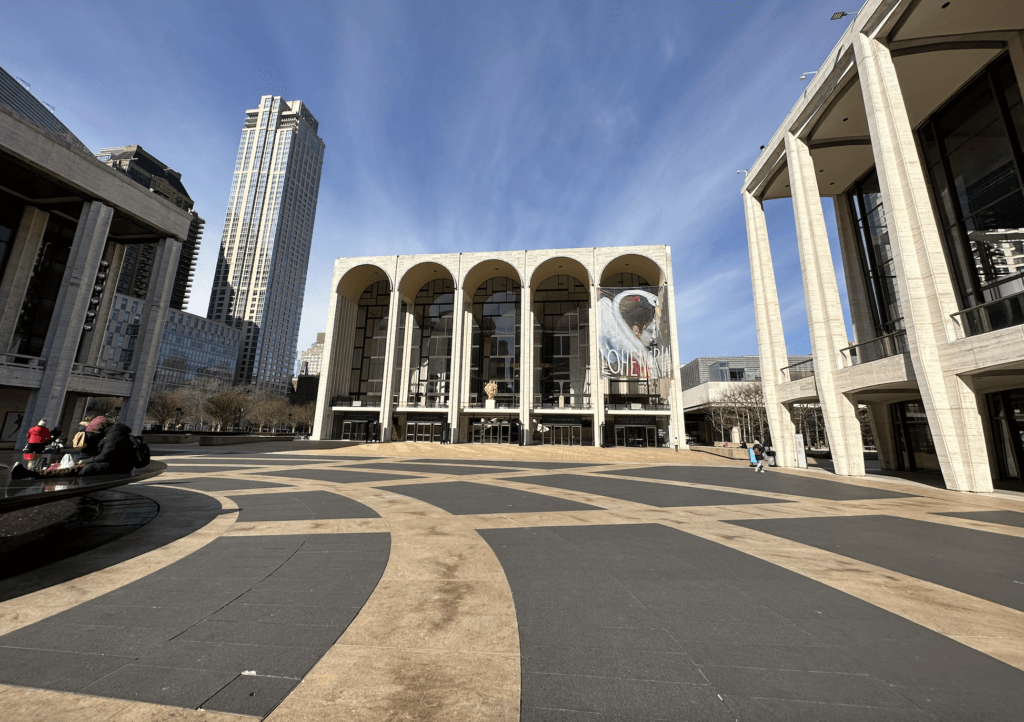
x=429, y=582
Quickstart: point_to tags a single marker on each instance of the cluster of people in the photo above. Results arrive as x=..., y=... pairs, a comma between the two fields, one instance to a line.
x=103, y=447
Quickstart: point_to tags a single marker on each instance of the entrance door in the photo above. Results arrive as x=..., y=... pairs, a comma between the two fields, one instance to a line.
x=564, y=435
x=652, y=436
x=353, y=431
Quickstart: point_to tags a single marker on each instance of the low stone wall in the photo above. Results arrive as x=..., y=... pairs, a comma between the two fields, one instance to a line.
x=230, y=440
x=729, y=452
x=169, y=438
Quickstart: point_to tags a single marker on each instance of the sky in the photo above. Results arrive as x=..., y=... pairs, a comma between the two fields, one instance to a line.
x=465, y=126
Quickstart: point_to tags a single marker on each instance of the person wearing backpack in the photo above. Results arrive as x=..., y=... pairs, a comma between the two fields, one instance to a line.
x=758, y=451
x=115, y=454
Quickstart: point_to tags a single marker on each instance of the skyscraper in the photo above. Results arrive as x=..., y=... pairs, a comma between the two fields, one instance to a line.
x=264, y=251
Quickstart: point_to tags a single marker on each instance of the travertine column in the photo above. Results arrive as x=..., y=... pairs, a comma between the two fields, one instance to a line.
x=926, y=290
x=24, y=250
x=882, y=431
x=386, y=404
x=824, y=311
x=526, y=352
x=853, y=269
x=596, y=382
x=323, y=421
x=147, y=350
x=675, y=397
x=771, y=343
x=455, y=374
x=65, y=329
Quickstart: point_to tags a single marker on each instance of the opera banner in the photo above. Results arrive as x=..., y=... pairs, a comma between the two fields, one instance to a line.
x=633, y=332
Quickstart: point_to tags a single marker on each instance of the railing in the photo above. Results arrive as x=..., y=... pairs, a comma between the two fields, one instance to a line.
x=101, y=373
x=990, y=316
x=635, y=406
x=429, y=402
x=891, y=344
x=22, y=361
x=499, y=403
x=802, y=370
x=364, y=400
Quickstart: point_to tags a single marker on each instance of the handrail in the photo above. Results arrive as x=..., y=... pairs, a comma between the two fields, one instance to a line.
x=891, y=344
x=22, y=360
x=990, y=316
x=100, y=372
x=795, y=372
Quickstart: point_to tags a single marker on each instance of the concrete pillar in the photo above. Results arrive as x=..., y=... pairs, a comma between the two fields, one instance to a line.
x=676, y=386
x=926, y=289
x=387, y=406
x=65, y=330
x=771, y=343
x=853, y=269
x=23, y=253
x=147, y=349
x=1016, y=46
x=824, y=310
x=329, y=368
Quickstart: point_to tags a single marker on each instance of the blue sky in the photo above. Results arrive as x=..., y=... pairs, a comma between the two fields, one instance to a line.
x=464, y=126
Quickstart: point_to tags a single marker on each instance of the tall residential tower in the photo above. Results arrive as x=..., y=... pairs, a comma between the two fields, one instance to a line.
x=264, y=252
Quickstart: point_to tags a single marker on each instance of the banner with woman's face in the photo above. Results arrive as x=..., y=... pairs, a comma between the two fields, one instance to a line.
x=633, y=333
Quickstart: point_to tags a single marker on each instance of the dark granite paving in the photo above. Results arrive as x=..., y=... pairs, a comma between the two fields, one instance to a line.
x=980, y=563
x=773, y=481
x=204, y=468
x=643, y=492
x=449, y=469
x=510, y=463
x=465, y=497
x=300, y=506
x=183, y=636
x=346, y=475
x=223, y=484
x=1006, y=518
x=644, y=622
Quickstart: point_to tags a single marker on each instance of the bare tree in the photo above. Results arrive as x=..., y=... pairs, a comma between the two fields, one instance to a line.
x=304, y=416
x=107, y=406
x=164, y=406
x=224, y=408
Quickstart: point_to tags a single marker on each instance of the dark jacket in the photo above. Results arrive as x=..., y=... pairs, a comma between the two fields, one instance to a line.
x=115, y=453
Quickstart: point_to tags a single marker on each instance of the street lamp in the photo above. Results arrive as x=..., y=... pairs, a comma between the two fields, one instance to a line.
x=177, y=415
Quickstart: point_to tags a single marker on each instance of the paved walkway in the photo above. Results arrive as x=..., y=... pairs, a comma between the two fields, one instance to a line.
x=427, y=582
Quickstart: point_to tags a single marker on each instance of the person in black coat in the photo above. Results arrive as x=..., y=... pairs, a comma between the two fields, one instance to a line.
x=115, y=453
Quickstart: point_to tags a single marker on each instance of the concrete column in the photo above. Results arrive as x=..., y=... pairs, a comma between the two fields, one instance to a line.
x=771, y=343
x=824, y=310
x=24, y=250
x=853, y=268
x=676, y=386
x=926, y=289
x=65, y=330
x=386, y=404
x=1016, y=45
x=147, y=350
x=92, y=341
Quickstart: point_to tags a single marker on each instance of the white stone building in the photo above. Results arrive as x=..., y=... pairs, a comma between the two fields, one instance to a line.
x=311, y=359
x=579, y=343
x=913, y=127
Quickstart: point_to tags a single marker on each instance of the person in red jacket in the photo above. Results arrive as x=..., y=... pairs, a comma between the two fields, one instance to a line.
x=38, y=437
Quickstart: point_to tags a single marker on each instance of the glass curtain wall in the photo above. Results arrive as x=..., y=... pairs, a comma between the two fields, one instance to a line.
x=11, y=210
x=496, y=339
x=430, y=354
x=972, y=147
x=876, y=255
x=371, y=339
x=561, y=317
x=1006, y=414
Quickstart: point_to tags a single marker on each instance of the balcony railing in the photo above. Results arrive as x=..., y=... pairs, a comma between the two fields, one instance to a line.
x=101, y=373
x=356, y=401
x=501, y=402
x=802, y=370
x=22, y=361
x=891, y=344
x=991, y=316
x=638, y=406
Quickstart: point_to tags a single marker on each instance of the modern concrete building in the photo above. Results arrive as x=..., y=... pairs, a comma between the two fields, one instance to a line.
x=65, y=220
x=310, y=359
x=137, y=267
x=568, y=346
x=913, y=127
x=194, y=348
x=260, y=278
x=704, y=380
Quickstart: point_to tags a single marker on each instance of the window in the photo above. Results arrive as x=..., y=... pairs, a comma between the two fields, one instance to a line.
x=876, y=255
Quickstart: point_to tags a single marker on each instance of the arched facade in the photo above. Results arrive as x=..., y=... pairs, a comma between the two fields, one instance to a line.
x=500, y=348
